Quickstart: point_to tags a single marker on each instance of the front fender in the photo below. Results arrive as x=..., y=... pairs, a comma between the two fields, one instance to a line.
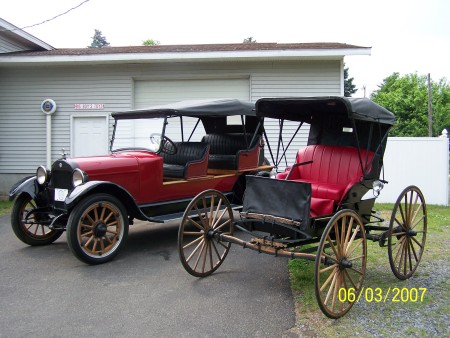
x=27, y=185
x=105, y=187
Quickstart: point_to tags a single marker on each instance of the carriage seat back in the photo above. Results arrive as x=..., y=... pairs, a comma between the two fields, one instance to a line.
x=190, y=160
x=232, y=151
x=332, y=172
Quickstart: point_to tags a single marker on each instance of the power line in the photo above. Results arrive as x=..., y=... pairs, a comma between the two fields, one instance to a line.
x=40, y=23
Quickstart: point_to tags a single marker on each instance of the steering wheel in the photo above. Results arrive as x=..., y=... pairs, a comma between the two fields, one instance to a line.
x=166, y=144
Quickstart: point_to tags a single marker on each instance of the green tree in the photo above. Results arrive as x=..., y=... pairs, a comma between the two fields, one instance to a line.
x=407, y=97
x=150, y=42
x=249, y=40
x=98, y=40
x=349, y=87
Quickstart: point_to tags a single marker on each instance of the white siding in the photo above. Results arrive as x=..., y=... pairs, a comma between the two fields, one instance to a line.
x=22, y=89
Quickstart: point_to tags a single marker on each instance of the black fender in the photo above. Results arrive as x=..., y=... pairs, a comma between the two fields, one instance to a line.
x=28, y=185
x=106, y=187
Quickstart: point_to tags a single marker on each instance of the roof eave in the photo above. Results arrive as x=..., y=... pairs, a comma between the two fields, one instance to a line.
x=318, y=54
x=20, y=34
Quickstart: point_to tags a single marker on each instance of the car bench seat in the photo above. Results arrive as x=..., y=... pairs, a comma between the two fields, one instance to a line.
x=331, y=170
x=232, y=151
x=190, y=160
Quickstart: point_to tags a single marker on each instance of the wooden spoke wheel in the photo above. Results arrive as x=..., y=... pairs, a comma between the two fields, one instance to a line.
x=340, y=265
x=97, y=229
x=31, y=225
x=407, y=232
x=200, y=250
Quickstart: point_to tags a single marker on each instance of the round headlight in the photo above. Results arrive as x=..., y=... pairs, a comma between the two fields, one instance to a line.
x=78, y=177
x=42, y=175
x=377, y=187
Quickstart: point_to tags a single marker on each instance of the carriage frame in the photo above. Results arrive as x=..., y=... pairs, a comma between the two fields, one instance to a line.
x=298, y=217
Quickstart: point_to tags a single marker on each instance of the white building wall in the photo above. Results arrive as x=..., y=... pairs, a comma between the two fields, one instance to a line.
x=419, y=161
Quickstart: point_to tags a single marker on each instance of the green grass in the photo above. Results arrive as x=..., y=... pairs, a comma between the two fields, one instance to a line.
x=433, y=309
x=5, y=207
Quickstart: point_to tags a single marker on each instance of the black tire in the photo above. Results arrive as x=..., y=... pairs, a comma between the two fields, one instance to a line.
x=29, y=230
x=97, y=229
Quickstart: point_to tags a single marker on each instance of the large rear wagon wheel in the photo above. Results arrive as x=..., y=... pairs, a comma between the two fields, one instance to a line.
x=407, y=232
x=31, y=225
x=209, y=213
x=340, y=265
x=97, y=229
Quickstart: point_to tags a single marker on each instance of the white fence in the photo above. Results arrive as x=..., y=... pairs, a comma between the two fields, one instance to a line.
x=419, y=161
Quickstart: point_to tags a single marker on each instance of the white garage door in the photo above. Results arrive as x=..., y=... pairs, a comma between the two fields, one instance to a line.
x=149, y=93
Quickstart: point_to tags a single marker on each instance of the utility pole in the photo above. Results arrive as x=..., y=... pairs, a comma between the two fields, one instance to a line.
x=430, y=109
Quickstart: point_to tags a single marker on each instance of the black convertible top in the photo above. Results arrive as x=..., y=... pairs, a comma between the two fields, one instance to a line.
x=307, y=109
x=193, y=108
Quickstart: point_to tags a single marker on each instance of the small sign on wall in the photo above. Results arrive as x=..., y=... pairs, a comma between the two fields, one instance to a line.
x=89, y=106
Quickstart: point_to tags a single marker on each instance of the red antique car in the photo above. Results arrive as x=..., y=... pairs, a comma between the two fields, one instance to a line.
x=147, y=176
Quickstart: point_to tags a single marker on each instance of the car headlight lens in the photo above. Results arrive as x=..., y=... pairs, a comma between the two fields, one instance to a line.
x=42, y=175
x=78, y=177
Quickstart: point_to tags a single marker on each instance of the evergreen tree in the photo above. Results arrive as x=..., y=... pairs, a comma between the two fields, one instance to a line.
x=349, y=87
x=98, y=40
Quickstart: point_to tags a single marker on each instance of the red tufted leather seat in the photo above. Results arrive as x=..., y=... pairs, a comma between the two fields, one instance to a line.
x=333, y=171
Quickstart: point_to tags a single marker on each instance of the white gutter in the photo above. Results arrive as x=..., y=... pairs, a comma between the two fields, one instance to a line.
x=187, y=56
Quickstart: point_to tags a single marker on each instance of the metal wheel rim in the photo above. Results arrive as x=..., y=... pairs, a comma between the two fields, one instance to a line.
x=100, y=229
x=337, y=285
x=200, y=253
x=30, y=225
x=407, y=233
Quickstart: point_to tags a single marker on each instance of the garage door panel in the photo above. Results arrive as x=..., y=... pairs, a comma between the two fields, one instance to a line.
x=149, y=93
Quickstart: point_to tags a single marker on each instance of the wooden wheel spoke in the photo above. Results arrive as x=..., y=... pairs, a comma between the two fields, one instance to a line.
x=355, y=258
x=417, y=242
x=349, y=231
x=328, y=280
x=211, y=212
x=350, y=279
x=219, y=219
x=332, y=246
x=87, y=234
x=200, y=245
x=414, y=251
x=356, y=246
x=403, y=216
x=215, y=250
x=329, y=257
x=419, y=221
x=328, y=268
x=111, y=213
x=360, y=272
x=223, y=224
x=205, y=210
x=332, y=285
x=205, y=255
x=193, y=233
x=216, y=212
x=338, y=239
x=409, y=255
x=205, y=226
x=352, y=238
x=192, y=243
x=198, y=226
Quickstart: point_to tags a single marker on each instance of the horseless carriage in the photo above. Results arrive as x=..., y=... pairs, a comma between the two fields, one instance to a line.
x=320, y=208
x=94, y=199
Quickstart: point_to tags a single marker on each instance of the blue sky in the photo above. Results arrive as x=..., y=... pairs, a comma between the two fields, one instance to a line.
x=405, y=36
